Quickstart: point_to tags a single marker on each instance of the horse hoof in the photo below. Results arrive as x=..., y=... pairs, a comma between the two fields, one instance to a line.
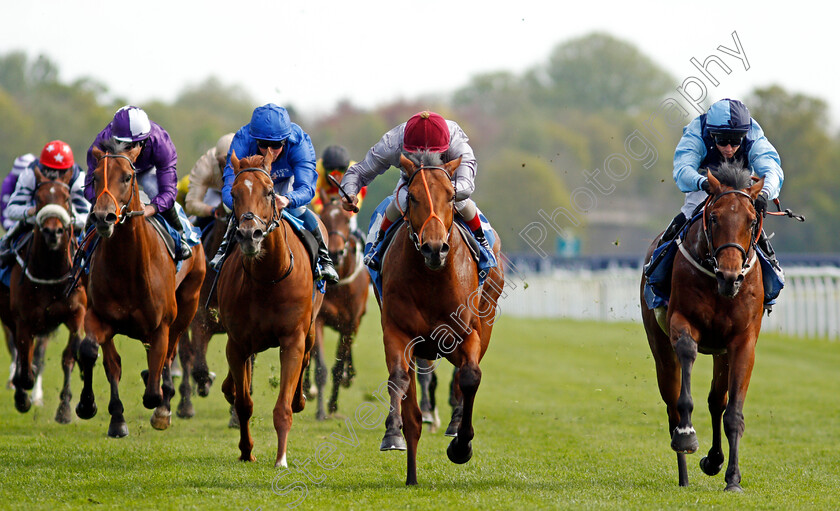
x=144, y=374
x=320, y=415
x=393, y=443
x=117, y=429
x=428, y=418
x=686, y=442
x=734, y=487
x=247, y=457
x=708, y=468
x=22, y=402
x=452, y=429
x=86, y=412
x=203, y=390
x=185, y=410
x=456, y=457
x=152, y=401
x=161, y=419
x=63, y=415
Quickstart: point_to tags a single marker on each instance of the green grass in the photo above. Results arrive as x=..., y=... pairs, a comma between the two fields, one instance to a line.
x=568, y=416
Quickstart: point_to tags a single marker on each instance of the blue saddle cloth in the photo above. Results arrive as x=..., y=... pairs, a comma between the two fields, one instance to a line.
x=486, y=261
x=658, y=284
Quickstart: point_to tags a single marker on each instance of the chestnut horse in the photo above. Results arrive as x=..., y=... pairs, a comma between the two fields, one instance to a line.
x=432, y=306
x=37, y=302
x=133, y=290
x=267, y=299
x=344, y=303
x=715, y=308
x=192, y=351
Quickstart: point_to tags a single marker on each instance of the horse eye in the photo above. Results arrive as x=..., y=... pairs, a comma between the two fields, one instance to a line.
x=713, y=218
x=126, y=178
x=411, y=198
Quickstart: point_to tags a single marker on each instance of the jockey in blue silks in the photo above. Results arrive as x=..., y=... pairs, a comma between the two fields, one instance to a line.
x=293, y=173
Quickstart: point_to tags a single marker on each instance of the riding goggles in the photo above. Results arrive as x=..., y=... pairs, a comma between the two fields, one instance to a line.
x=728, y=139
x=274, y=144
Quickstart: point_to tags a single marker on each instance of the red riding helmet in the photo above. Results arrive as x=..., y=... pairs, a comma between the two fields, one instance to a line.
x=426, y=131
x=57, y=155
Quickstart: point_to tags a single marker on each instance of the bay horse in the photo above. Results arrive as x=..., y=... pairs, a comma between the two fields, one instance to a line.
x=37, y=301
x=344, y=303
x=133, y=290
x=192, y=349
x=432, y=305
x=267, y=299
x=715, y=308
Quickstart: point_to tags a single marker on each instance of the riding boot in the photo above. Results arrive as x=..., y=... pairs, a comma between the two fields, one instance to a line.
x=373, y=260
x=7, y=255
x=222, y=253
x=479, y=237
x=764, y=244
x=324, y=269
x=182, y=250
x=673, y=229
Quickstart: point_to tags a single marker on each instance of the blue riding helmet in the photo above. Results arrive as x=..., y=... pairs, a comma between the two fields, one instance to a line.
x=270, y=122
x=728, y=116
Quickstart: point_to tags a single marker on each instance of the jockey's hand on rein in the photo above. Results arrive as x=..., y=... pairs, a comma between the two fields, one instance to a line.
x=761, y=204
x=349, y=203
x=706, y=187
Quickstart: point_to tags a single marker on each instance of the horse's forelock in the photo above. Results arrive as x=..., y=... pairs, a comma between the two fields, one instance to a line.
x=255, y=161
x=113, y=146
x=425, y=159
x=734, y=175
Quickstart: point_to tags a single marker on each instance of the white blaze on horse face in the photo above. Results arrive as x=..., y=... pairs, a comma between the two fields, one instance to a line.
x=250, y=185
x=334, y=213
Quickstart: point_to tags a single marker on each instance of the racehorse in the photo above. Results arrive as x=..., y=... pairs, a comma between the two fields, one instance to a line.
x=715, y=308
x=432, y=305
x=267, y=299
x=192, y=350
x=344, y=303
x=37, y=302
x=134, y=289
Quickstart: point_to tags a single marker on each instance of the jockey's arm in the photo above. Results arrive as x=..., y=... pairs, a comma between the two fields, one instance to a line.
x=22, y=198
x=687, y=158
x=378, y=159
x=301, y=158
x=464, y=177
x=765, y=162
x=201, y=178
x=81, y=206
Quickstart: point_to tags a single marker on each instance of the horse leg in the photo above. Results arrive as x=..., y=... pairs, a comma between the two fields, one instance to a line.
x=398, y=383
x=185, y=355
x=24, y=378
x=412, y=427
x=424, y=379
x=433, y=383
x=162, y=416
x=63, y=414
x=741, y=360
x=320, y=368
x=10, y=344
x=86, y=356
x=156, y=356
x=339, y=370
x=469, y=378
x=291, y=366
x=235, y=388
x=38, y=368
x=456, y=401
x=713, y=462
x=113, y=371
x=201, y=334
x=683, y=437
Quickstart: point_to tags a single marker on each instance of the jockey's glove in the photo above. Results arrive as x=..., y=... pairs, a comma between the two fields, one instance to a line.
x=761, y=203
x=705, y=186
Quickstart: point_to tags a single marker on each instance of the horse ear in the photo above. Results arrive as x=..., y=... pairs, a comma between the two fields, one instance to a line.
x=134, y=152
x=97, y=153
x=451, y=166
x=408, y=165
x=323, y=195
x=756, y=188
x=714, y=184
x=39, y=176
x=234, y=162
x=270, y=156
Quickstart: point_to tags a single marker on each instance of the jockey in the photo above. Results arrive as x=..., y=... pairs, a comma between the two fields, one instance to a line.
x=204, y=194
x=424, y=131
x=21, y=162
x=293, y=173
x=334, y=161
x=155, y=165
x=725, y=133
x=56, y=159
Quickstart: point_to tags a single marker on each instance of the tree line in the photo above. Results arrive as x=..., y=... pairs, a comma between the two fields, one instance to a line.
x=540, y=137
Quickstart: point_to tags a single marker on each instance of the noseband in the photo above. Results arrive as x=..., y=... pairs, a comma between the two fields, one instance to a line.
x=747, y=264
x=416, y=238
x=125, y=213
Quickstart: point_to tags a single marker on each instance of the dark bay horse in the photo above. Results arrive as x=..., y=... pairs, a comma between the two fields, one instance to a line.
x=267, y=299
x=37, y=302
x=344, y=303
x=432, y=306
x=715, y=308
x=192, y=350
x=133, y=290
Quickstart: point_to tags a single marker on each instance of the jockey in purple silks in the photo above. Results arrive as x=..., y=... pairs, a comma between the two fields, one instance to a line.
x=155, y=165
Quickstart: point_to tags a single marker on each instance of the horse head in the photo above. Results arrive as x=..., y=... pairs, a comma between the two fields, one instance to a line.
x=54, y=212
x=254, y=200
x=731, y=225
x=115, y=185
x=431, y=204
x=337, y=223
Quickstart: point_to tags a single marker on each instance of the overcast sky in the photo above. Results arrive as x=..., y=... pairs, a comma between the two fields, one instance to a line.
x=313, y=53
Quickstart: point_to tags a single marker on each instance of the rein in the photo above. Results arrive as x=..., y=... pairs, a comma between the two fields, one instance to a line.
x=125, y=213
x=416, y=238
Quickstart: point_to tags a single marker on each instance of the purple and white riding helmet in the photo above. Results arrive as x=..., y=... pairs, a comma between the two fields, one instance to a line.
x=131, y=124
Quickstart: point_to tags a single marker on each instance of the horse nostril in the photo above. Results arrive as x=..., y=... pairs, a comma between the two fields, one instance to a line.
x=426, y=250
x=238, y=235
x=444, y=250
x=110, y=218
x=257, y=235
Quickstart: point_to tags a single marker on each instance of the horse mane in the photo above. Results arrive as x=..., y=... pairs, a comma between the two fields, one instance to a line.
x=425, y=158
x=734, y=174
x=113, y=146
x=254, y=161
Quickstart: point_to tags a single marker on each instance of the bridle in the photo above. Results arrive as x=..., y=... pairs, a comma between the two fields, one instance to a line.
x=125, y=213
x=66, y=218
x=714, y=251
x=416, y=238
x=272, y=224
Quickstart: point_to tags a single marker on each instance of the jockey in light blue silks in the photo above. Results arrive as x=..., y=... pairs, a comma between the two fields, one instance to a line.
x=726, y=133
x=293, y=173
